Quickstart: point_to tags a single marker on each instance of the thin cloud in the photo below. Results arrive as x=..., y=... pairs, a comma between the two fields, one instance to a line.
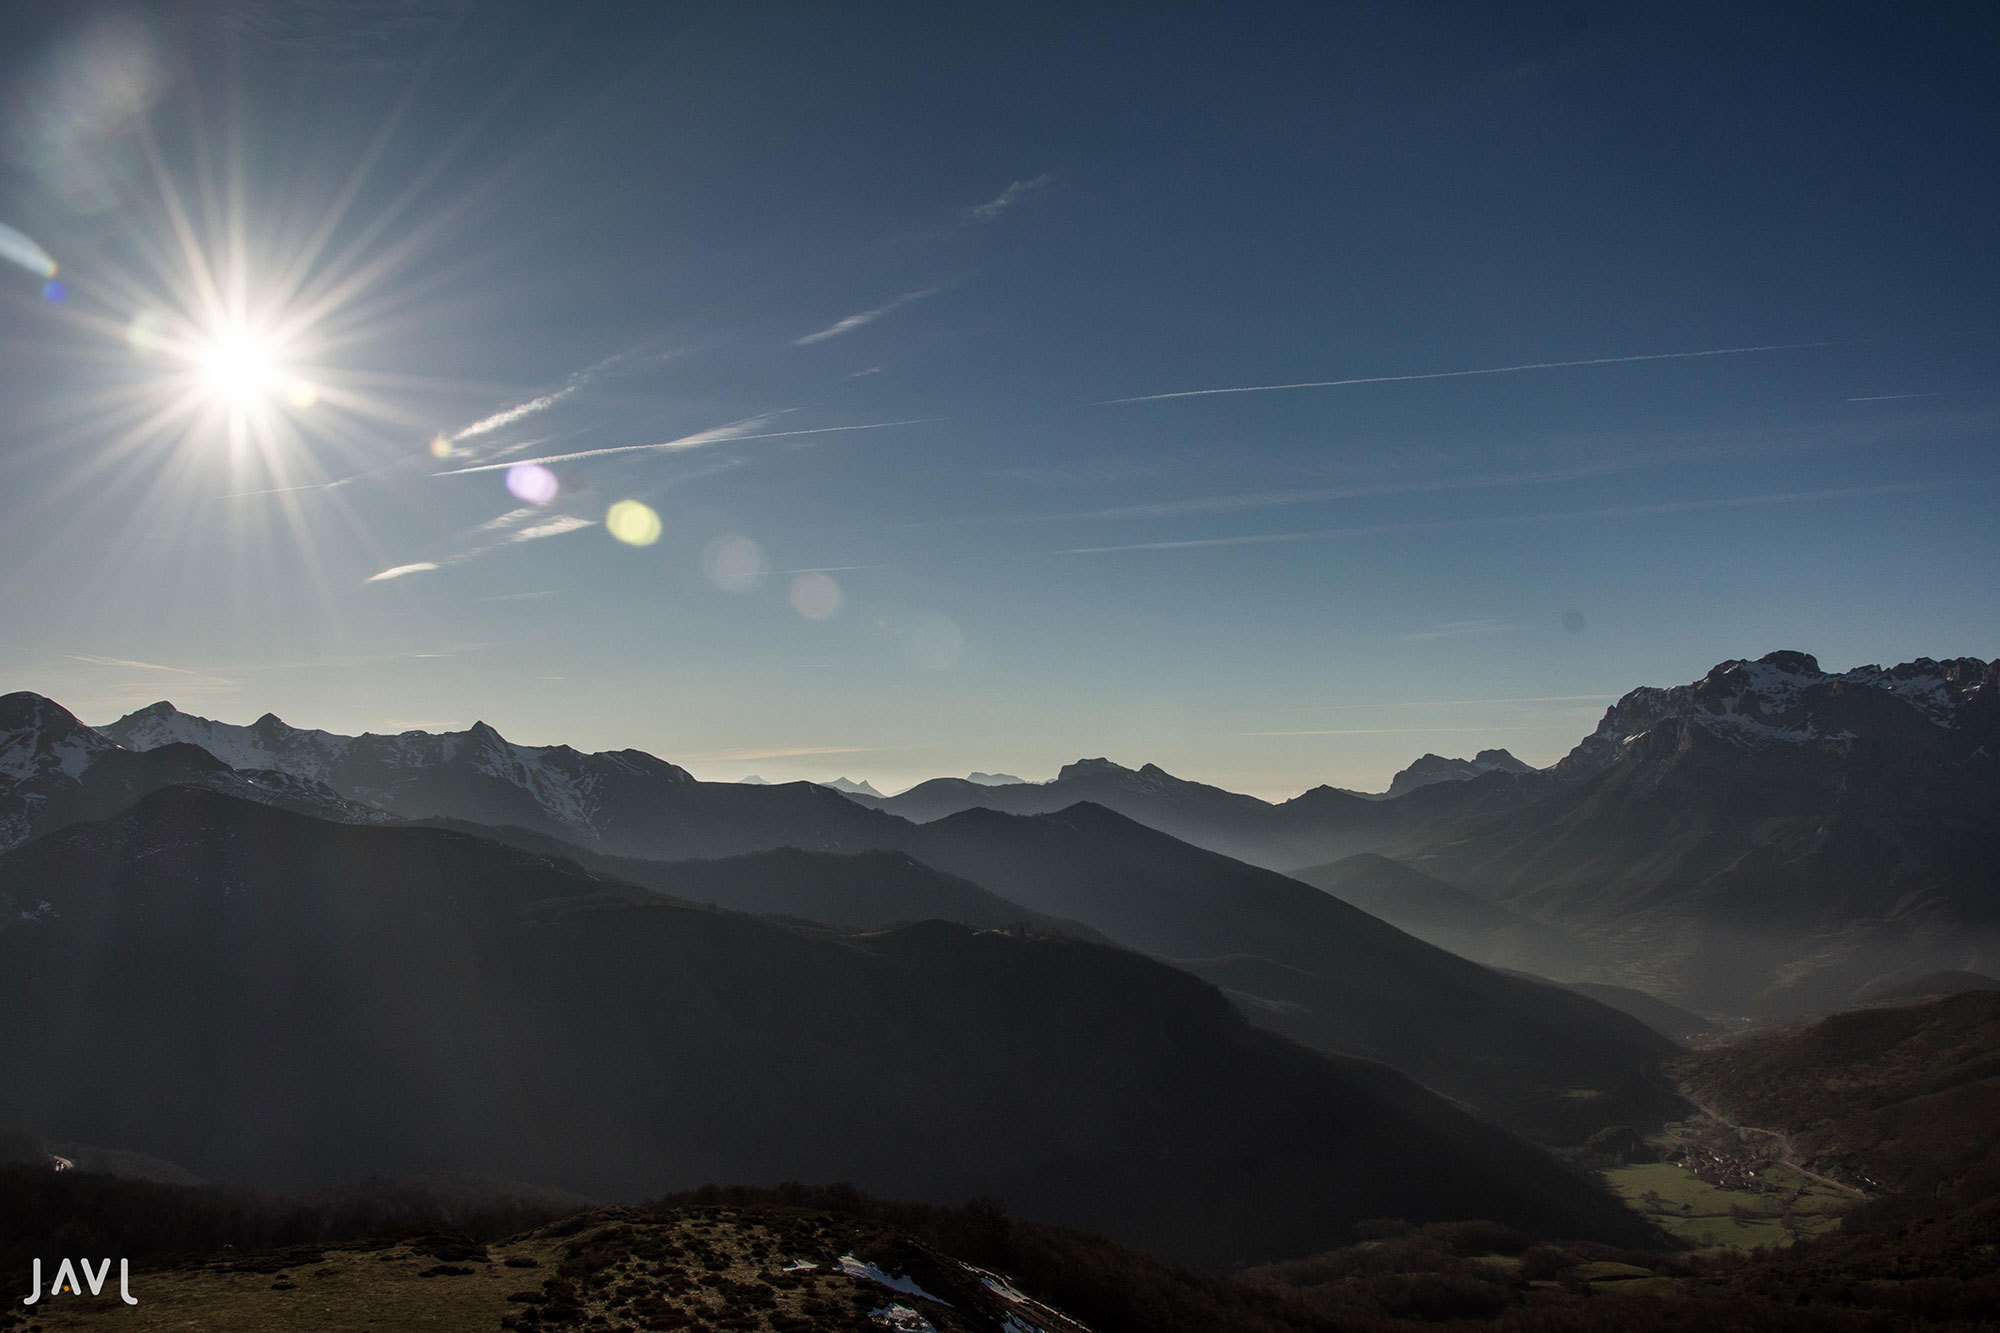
x=555, y=527
x=506, y=520
x=853, y=322
x=577, y=380
x=1386, y=731
x=402, y=571
x=1008, y=197
x=719, y=435
x=1517, y=520
x=1463, y=374
x=829, y=569
x=202, y=678
x=1457, y=629
x=1469, y=703
x=487, y=425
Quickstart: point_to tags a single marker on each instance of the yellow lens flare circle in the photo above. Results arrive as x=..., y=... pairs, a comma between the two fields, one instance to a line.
x=633, y=523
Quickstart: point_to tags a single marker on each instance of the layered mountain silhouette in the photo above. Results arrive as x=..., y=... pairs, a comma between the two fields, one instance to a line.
x=1447, y=916
x=269, y=998
x=851, y=787
x=1531, y=1057
x=1771, y=839
x=1433, y=768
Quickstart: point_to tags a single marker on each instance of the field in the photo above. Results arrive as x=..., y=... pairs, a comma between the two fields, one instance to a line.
x=1767, y=1203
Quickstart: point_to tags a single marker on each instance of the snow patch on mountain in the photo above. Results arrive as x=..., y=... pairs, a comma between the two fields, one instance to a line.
x=1784, y=698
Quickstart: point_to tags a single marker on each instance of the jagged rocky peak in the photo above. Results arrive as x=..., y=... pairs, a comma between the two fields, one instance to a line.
x=1091, y=768
x=1435, y=768
x=1786, y=698
x=847, y=784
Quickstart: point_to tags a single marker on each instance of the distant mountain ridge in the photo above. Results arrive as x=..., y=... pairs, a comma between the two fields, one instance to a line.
x=1088, y=870
x=54, y=770
x=1432, y=768
x=625, y=802
x=852, y=788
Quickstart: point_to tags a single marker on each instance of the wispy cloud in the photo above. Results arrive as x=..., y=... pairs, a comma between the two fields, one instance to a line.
x=830, y=569
x=486, y=425
x=1516, y=520
x=507, y=520
x=1463, y=374
x=555, y=527
x=1387, y=731
x=737, y=431
x=402, y=571
x=195, y=678
x=1008, y=197
x=1473, y=703
x=1456, y=629
x=853, y=322
x=578, y=380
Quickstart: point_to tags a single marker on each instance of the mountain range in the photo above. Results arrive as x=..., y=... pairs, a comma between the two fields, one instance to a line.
x=285, y=1001
x=486, y=931
x=1770, y=839
x=1295, y=960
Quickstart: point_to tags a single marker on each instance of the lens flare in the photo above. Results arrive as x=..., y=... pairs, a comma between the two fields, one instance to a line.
x=18, y=248
x=633, y=523
x=532, y=482
x=815, y=596
x=147, y=333
x=734, y=564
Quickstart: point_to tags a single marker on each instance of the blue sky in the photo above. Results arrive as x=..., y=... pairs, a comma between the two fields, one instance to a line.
x=900, y=320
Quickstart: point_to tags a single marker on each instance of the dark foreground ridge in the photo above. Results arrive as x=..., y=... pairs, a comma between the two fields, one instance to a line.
x=795, y=1258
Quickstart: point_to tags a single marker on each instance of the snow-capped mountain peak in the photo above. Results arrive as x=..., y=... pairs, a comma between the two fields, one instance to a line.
x=472, y=774
x=1785, y=698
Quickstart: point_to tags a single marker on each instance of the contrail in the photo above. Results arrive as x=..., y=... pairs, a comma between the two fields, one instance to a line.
x=1462, y=374
x=1515, y=520
x=685, y=442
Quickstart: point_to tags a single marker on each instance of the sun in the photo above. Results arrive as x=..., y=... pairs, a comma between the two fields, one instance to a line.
x=244, y=370
x=238, y=367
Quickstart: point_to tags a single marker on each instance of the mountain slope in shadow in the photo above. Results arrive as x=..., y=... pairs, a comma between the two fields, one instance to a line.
x=286, y=1002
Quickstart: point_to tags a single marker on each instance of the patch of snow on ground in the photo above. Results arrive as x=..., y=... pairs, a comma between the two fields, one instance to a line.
x=854, y=1267
x=902, y=1318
